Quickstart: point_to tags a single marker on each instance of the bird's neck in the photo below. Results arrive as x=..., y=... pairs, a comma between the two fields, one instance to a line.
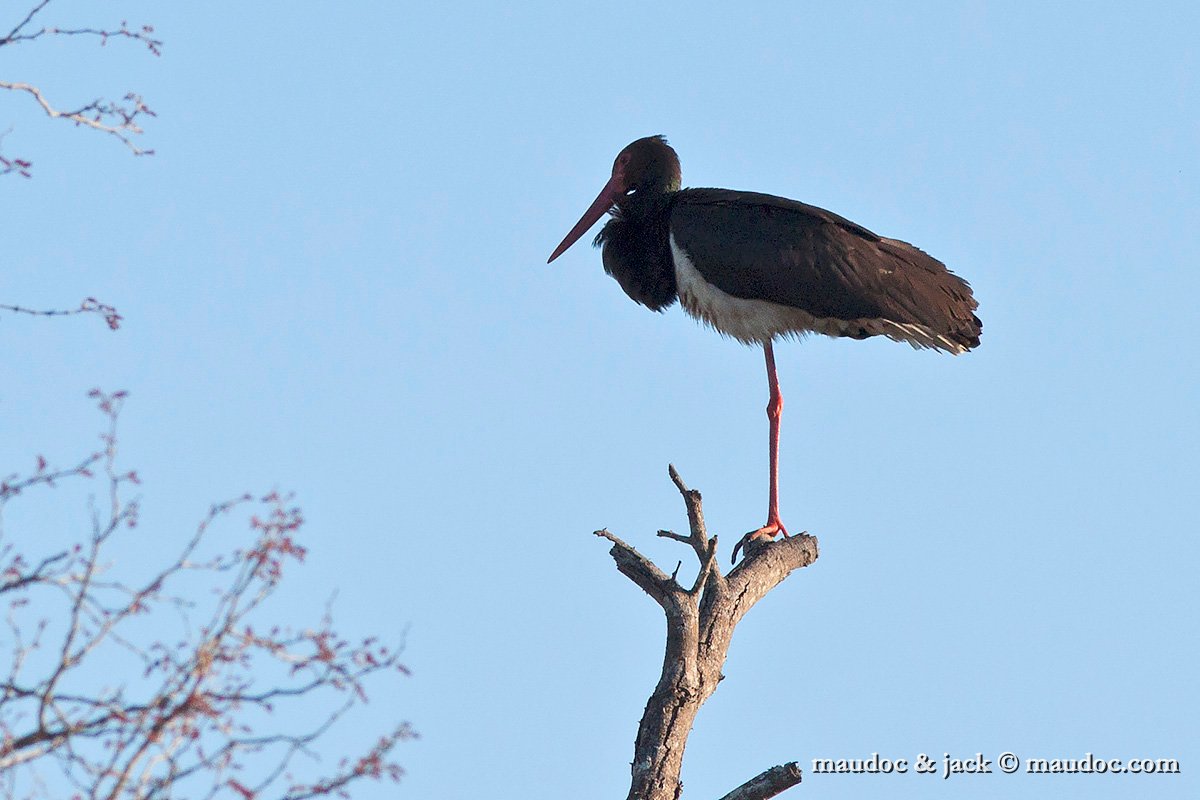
x=644, y=205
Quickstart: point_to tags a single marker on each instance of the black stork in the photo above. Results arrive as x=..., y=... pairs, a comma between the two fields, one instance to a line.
x=758, y=267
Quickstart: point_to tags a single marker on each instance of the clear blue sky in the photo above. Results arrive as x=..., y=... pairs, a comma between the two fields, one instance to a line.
x=333, y=277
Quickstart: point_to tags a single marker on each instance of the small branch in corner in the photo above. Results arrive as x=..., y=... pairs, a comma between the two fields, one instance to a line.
x=767, y=784
x=675, y=536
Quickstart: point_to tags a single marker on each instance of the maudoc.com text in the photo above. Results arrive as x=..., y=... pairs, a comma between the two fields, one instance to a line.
x=950, y=765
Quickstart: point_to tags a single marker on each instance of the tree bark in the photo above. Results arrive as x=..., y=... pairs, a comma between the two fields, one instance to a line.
x=700, y=625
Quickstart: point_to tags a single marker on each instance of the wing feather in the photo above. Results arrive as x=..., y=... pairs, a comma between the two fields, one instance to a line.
x=761, y=247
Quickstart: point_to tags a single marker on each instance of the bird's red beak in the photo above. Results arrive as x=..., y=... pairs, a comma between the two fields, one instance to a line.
x=607, y=198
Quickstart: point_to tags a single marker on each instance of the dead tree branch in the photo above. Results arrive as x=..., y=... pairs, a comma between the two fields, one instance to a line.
x=767, y=784
x=700, y=625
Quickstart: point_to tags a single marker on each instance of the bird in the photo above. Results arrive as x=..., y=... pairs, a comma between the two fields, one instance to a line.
x=758, y=268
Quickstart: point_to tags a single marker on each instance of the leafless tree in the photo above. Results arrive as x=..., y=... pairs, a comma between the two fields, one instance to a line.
x=121, y=119
x=149, y=687
x=700, y=624
x=181, y=681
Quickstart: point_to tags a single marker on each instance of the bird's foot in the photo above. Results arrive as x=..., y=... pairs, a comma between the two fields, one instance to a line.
x=755, y=539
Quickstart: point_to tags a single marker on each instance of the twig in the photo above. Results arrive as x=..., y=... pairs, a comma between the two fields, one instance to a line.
x=673, y=535
x=90, y=305
x=94, y=114
x=144, y=34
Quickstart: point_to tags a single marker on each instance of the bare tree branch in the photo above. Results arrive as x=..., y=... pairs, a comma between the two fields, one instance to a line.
x=700, y=625
x=90, y=305
x=15, y=34
x=767, y=784
x=120, y=119
x=106, y=116
x=143, y=35
x=642, y=571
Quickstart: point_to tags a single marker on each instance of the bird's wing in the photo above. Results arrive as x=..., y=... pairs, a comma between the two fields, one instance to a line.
x=761, y=247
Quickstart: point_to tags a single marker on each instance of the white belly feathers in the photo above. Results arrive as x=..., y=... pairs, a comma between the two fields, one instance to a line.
x=760, y=321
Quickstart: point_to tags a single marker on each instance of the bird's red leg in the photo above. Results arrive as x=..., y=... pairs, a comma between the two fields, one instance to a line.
x=774, y=412
x=774, y=525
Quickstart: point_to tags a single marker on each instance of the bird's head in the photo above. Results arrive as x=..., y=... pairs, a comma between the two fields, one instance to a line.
x=647, y=165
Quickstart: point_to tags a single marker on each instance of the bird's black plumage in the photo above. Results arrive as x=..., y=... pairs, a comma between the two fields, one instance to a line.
x=637, y=249
x=842, y=278
x=760, y=247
